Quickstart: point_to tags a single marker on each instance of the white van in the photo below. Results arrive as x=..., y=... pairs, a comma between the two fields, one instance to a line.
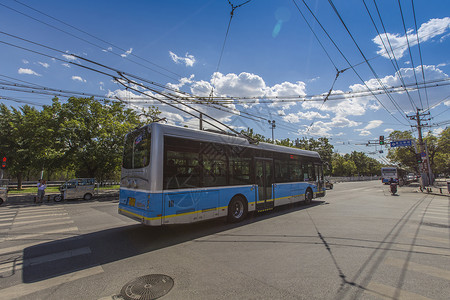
x=3, y=190
x=77, y=188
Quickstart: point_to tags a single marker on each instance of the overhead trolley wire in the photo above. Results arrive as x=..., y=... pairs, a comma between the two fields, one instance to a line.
x=367, y=62
x=409, y=49
x=420, y=51
x=90, y=43
x=233, y=8
x=396, y=67
x=348, y=62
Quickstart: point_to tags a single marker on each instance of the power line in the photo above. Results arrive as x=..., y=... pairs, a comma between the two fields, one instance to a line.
x=396, y=68
x=420, y=51
x=365, y=59
x=409, y=50
x=90, y=43
x=348, y=62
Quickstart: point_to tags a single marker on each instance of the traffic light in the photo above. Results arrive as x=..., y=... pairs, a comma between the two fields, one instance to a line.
x=4, y=162
x=419, y=158
x=381, y=139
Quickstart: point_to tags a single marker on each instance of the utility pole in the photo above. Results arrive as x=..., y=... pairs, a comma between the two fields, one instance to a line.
x=425, y=168
x=272, y=123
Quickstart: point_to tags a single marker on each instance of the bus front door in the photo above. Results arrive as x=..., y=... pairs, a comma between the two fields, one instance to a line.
x=264, y=180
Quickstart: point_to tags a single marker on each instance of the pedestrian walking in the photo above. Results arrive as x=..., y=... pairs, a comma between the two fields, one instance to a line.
x=42, y=185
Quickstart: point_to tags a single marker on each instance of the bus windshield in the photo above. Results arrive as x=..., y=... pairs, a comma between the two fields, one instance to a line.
x=137, y=149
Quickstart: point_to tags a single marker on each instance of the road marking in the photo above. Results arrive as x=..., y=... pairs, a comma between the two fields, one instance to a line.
x=20, y=248
x=19, y=264
x=32, y=226
x=38, y=221
x=388, y=292
x=7, y=213
x=41, y=216
x=5, y=225
x=44, y=210
x=434, y=229
x=33, y=235
x=423, y=249
x=433, y=217
x=435, y=239
x=411, y=266
x=25, y=289
x=436, y=213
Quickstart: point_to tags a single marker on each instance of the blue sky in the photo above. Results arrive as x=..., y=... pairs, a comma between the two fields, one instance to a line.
x=270, y=57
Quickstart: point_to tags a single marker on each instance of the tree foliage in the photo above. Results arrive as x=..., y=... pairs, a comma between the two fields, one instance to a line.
x=83, y=136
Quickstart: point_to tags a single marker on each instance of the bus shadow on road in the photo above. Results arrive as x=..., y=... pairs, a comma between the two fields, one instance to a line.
x=65, y=256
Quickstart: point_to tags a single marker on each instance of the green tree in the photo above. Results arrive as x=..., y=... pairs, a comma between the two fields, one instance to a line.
x=441, y=159
x=404, y=157
x=93, y=133
x=322, y=146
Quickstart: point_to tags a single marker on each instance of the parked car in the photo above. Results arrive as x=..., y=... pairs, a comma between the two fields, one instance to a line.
x=328, y=185
x=77, y=188
x=3, y=190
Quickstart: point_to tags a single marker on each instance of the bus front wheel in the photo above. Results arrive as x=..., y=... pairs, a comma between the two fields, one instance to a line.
x=308, y=196
x=237, y=210
x=87, y=196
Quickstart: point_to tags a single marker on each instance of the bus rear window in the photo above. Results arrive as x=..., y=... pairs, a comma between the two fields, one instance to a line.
x=136, y=152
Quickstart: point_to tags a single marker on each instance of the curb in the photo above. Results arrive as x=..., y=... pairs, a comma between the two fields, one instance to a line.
x=439, y=191
x=48, y=198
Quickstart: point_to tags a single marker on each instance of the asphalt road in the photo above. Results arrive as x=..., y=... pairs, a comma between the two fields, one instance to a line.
x=358, y=242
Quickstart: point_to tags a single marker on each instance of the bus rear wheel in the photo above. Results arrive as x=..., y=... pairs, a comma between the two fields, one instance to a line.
x=87, y=196
x=237, y=210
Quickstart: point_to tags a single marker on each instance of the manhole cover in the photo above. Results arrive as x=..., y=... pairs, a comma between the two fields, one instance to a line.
x=147, y=287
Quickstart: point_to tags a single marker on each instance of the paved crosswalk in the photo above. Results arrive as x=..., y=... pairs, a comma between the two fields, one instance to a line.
x=21, y=229
x=429, y=237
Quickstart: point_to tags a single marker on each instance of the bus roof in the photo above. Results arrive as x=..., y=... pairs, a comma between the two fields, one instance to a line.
x=194, y=134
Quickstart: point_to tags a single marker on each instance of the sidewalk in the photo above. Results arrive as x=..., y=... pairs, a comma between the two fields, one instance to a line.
x=29, y=198
x=439, y=188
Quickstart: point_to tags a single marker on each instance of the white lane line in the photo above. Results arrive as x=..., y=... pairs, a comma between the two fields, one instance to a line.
x=39, y=209
x=423, y=249
x=6, y=220
x=411, y=266
x=38, y=221
x=33, y=235
x=435, y=212
x=41, y=216
x=435, y=239
x=5, y=225
x=25, y=289
x=388, y=292
x=9, y=213
x=33, y=226
x=20, y=248
x=434, y=217
x=19, y=264
x=434, y=229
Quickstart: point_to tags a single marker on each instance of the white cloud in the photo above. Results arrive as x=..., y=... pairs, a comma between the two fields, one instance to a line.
x=69, y=57
x=66, y=65
x=399, y=43
x=188, y=59
x=298, y=117
x=388, y=130
x=28, y=71
x=128, y=52
x=321, y=128
x=78, y=78
x=372, y=124
x=45, y=65
x=25, y=61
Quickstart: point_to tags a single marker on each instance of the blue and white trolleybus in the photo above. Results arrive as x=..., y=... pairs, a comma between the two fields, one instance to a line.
x=174, y=175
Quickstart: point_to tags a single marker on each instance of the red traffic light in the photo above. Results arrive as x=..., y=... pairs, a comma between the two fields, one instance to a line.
x=4, y=162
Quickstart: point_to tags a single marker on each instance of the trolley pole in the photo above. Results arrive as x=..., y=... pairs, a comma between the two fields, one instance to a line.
x=426, y=177
x=272, y=123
